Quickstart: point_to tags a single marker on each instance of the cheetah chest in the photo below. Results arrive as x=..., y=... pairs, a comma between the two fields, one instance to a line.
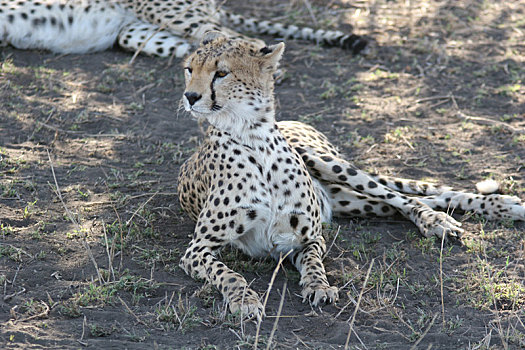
x=273, y=199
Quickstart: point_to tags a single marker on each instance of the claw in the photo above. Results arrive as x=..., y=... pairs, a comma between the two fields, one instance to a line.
x=320, y=294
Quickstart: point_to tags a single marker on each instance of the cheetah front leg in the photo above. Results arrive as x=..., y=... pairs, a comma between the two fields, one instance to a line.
x=313, y=276
x=199, y=261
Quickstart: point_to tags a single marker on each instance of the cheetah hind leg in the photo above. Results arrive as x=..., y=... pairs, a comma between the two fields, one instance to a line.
x=151, y=40
x=346, y=202
x=325, y=163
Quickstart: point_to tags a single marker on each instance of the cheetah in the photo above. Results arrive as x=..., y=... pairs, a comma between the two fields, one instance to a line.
x=155, y=27
x=266, y=187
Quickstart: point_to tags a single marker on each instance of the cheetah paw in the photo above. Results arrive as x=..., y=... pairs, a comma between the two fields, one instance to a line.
x=320, y=294
x=439, y=224
x=248, y=307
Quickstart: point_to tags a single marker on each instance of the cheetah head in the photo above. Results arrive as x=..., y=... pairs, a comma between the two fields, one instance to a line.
x=229, y=82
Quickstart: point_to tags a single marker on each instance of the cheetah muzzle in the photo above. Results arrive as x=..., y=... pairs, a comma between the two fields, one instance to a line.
x=266, y=187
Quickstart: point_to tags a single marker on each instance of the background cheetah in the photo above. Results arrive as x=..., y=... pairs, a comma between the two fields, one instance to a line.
x=161, y=28
x=266, y=187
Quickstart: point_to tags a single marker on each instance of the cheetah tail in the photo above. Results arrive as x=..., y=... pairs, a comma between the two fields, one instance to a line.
x=428, y=189
x=410, y=186
x=352, y=42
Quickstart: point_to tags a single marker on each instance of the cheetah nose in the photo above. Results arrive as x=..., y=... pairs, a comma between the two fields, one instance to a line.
x=192, y=97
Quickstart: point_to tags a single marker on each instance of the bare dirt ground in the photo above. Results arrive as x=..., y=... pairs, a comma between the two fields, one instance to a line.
x=441, y=98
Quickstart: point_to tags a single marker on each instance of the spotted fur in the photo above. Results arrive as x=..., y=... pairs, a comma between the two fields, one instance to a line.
x=265, y=187
x=156, y=27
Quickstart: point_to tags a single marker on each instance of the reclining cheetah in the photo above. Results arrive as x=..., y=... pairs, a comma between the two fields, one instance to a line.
x=266, y=187
x=164, y=27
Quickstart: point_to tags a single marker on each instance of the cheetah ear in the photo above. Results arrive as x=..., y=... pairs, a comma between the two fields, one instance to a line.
x=271, y=55
x=210, y=36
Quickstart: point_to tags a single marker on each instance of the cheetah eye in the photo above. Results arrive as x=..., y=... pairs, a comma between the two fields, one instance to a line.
x=188, y=69
x=220, y=74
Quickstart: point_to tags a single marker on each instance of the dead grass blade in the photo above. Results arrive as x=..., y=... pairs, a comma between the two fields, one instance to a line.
x=414, y=346
x=357, y=306
x=270, y=285
x=274, y=328
x=72, y=219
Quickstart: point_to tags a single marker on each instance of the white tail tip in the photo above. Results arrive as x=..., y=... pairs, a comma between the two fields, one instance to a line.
x=487, y=186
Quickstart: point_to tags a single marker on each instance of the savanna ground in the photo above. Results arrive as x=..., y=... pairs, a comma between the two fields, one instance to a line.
x=92, y=231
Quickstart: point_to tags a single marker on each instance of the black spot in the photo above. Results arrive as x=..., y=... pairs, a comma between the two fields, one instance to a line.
x=252, y=214
x=336, y=169
x=344, y=203
x=335, y=190
x=294, y=221
x=372, y=184
x=368, y=208
x=351, y=172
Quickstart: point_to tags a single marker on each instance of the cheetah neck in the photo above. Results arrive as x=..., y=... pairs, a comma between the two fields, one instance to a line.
x=261, y=137
x=247, y=125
